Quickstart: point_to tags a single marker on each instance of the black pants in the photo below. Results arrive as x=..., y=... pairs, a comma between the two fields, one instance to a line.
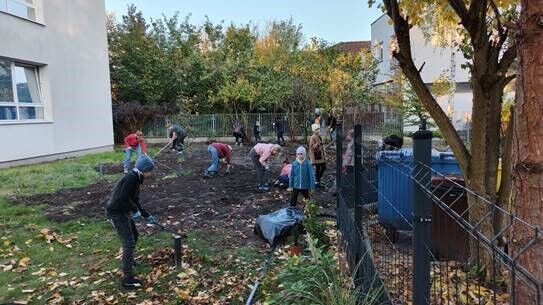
x=238, y=135
x=280, y=138
x=178, y=143
x=258, y=166
x=294, y=196
x=128, y=234
x=319, y=171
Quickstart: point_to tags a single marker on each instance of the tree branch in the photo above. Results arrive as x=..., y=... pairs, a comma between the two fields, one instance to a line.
x=498, y=17
x=461, y=10
x=509, y=79
x=507, y=60
x=405, y=59
x=504, y=191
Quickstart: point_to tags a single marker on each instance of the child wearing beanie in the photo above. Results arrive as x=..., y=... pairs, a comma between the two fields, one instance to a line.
x=301, y=178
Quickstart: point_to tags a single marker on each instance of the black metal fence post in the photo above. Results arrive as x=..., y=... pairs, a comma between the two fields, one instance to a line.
x=357, y=174
x=177, y=251
x=422, y=216
x=339, y=158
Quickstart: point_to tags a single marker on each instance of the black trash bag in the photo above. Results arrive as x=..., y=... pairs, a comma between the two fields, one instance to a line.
x=277, y=226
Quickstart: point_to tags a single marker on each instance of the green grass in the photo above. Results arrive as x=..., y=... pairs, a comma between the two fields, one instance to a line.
x=94, y=246
x=52, y=176
x=89, y=264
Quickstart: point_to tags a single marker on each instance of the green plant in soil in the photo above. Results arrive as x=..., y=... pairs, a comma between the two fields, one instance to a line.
x=313, y=225
x=313, y=279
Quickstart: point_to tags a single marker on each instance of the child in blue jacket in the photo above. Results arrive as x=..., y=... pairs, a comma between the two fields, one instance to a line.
x=302, y=178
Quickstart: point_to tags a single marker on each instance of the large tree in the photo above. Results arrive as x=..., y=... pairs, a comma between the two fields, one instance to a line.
x=488, y=45
x=528, y=148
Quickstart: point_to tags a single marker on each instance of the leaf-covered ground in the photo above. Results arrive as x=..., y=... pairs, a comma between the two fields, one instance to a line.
x=56, y=246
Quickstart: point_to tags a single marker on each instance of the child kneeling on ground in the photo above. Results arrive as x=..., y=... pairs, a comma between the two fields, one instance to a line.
x=302, y=178
x=283, y=179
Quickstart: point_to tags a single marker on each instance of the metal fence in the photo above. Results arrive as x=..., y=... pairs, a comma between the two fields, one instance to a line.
x=221, y=125
x=408, y=223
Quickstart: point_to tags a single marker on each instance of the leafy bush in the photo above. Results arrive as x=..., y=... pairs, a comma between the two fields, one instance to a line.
x=316, y=280
x=313, y=226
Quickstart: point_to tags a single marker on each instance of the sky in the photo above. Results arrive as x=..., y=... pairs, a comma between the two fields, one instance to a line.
x=333, y=21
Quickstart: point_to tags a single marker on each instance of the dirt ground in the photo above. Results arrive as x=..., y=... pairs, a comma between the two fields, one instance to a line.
x=225, y=206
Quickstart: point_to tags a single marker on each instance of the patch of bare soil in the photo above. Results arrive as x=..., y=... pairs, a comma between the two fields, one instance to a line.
x=178, y=195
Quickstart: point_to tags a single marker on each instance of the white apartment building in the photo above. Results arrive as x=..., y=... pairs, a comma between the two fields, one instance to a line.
x=437, y=60
x=55, y=97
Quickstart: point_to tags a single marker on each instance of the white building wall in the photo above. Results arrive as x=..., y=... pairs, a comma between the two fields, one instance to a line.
x=70, y=46
x=436, y=61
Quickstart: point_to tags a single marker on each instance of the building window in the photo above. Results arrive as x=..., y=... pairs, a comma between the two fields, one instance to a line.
x=20, y=94
x=379, y=51
x=20, y=8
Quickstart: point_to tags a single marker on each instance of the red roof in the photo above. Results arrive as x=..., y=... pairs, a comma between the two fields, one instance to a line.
x=353, y=46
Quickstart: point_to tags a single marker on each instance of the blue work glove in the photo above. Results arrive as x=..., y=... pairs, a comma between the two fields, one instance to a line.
x=136, y=216
x=151, y=220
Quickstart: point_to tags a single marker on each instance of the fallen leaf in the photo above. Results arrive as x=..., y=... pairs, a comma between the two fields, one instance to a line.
x=24, y=261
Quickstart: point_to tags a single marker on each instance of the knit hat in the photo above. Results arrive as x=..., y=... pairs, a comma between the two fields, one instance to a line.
x=144, y=164
x=301, y=150
x=315, y=127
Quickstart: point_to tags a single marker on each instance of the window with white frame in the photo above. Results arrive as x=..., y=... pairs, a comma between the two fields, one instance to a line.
x=20, y=8
x=20, y=95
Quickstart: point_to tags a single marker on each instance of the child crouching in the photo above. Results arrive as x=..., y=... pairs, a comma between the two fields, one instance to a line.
x=283, y=179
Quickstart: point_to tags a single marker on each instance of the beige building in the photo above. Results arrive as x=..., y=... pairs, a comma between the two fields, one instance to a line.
x=55, y=97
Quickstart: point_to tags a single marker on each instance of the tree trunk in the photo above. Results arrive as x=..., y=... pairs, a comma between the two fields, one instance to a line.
x=527, y=148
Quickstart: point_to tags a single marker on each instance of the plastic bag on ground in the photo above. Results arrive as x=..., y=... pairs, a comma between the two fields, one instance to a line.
x=276, y=226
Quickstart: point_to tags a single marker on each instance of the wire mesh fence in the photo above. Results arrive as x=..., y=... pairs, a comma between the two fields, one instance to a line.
x=221, y=125
x=429, y=238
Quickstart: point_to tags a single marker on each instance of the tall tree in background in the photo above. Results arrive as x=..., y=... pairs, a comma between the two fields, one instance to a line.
x=488, y=45
x=528, y=146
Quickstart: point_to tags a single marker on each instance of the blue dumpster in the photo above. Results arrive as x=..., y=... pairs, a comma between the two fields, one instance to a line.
x=395, y=199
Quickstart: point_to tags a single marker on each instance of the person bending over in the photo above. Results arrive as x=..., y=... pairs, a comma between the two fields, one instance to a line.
x=260, y=154
x=218, y=151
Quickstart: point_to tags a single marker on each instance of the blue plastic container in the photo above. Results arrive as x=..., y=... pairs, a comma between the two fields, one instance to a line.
x=395, y=198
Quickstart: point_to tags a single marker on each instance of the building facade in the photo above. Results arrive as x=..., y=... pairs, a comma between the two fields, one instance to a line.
x=55, y=97
x=437, y=61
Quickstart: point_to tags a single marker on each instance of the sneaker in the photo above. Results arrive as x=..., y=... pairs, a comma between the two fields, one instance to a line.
x=240, y=144
x=209, y=174
x=263, y=188
x=131, y=283
x=125, y=171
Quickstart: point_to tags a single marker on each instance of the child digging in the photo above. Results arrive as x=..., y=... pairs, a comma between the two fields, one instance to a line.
x=123, y=208
x=282, y=180
x=302, y=178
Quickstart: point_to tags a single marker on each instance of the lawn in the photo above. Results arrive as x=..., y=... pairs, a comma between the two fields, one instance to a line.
x=77, y=261
x=57, y=248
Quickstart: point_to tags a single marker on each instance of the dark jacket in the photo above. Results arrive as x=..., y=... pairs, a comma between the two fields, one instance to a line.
x=278, y=124
x=125, y=195
x=178, y=130
x=332, y=122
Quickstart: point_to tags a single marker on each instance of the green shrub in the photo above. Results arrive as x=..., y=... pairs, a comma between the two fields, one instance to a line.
x=316, y=280
x=313, y=225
